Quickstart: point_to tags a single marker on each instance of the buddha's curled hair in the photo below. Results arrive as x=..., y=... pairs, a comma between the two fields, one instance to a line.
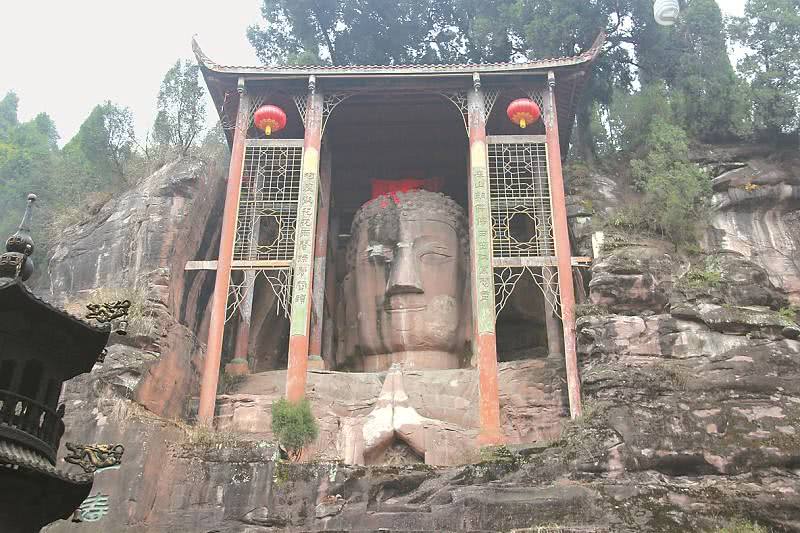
x=383, y=214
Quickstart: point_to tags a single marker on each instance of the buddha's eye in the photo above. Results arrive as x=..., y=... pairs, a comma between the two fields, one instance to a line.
x=434, y=256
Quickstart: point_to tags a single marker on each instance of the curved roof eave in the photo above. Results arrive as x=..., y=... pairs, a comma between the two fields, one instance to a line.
x=585, y=58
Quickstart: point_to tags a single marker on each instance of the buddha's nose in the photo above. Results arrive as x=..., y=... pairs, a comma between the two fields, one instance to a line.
x=403, y=277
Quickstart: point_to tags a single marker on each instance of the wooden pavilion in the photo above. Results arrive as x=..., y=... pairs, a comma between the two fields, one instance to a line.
x=346, y=124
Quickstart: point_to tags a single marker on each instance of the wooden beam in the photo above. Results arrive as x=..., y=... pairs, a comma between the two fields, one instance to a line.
x=240, y=264
x=580, y=261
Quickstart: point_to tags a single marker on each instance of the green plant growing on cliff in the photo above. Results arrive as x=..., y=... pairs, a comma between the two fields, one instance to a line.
x=208, y=438
x=708, y=276
x=589, y=309
x=740, y=525
x=789, y=312
x=496, y=454
x=294, y=426
x=228, y=383
x=675, y=190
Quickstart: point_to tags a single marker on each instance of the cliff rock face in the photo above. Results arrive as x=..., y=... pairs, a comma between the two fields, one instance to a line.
x=690, y=365
x=757, y=196
x=136, y=246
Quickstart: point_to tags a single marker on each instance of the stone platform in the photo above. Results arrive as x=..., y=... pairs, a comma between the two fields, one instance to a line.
x=434, y=416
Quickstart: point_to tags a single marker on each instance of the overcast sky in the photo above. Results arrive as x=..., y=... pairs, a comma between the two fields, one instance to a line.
x=64, y=57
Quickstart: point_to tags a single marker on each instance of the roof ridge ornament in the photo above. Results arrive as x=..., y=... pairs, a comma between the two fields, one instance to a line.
x=16, y=261
x=201, y=57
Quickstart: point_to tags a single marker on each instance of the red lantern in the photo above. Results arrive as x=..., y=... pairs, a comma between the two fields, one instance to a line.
x=270, y=118
x=523, y=111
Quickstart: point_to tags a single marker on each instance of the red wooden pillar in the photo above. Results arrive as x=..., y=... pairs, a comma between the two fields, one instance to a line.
x=208, y=385
x=482, y=279
x=563, y=249
x=304, y=251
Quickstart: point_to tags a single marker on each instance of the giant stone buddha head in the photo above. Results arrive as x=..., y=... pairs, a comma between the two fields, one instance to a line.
x=407, y=272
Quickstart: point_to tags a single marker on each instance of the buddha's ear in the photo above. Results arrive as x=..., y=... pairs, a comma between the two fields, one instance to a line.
x=466, y=307
x=347, y=321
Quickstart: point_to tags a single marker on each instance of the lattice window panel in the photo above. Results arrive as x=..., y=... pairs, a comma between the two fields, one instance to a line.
x=268, y=201
x=546, y=278
x=255, y=101
x=240, y=291
x=522, y=221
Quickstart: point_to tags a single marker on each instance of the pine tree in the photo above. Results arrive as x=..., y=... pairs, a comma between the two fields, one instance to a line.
x=769, y=31
x=712, y=100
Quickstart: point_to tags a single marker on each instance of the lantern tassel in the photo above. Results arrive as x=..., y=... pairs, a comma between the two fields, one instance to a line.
x=522, y=123
x=268, y=130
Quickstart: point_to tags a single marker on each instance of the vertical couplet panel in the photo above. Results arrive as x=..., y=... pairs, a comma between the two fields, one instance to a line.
x=482, y=273
x=304, y=251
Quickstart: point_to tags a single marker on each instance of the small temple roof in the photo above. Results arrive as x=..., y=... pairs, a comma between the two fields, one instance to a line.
x=86, y=340
x=570, y=73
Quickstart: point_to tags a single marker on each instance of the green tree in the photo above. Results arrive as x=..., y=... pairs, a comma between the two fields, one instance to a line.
x=769, y=31
x=713, y=101
x=675, y=190
x=28, y=163
x=342, y=32
x=181, y=108
x=106, y=142
x=345, y=32
x=293, y=425
x=8, y=113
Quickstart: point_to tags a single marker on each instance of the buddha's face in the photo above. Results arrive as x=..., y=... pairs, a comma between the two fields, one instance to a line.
x=408, y=269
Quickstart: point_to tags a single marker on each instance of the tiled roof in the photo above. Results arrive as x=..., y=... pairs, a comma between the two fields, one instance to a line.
x=6, y=283
x=456, y=68
x=14, y=455
x=86, y=340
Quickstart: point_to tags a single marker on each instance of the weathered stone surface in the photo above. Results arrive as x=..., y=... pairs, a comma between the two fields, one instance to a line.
x=531, y=404
x=588, y=481
x=633, y=278
x=721, y=408
x=139, y=243
x=737, y=319
x=589, y=194
x=756, y=212
x=733, y=280
x=141, y=230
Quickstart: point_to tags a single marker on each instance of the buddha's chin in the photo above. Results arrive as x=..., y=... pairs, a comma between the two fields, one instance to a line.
x=412, y=360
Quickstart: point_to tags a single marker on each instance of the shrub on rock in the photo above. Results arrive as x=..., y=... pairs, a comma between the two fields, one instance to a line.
x=293, y=425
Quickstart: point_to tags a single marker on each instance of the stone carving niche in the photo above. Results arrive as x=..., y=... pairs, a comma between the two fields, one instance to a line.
x=406, y=292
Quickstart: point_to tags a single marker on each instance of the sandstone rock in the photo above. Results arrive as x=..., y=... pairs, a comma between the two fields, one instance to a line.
x=632, y=279
x=736, y=319
x=589, y=194
x=532, y=407
x=690, y=410
x=138, y=244
x=756, y=213
x=737, y=281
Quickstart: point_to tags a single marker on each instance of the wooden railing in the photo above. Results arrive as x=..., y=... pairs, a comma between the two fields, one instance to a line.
x=30, y=423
